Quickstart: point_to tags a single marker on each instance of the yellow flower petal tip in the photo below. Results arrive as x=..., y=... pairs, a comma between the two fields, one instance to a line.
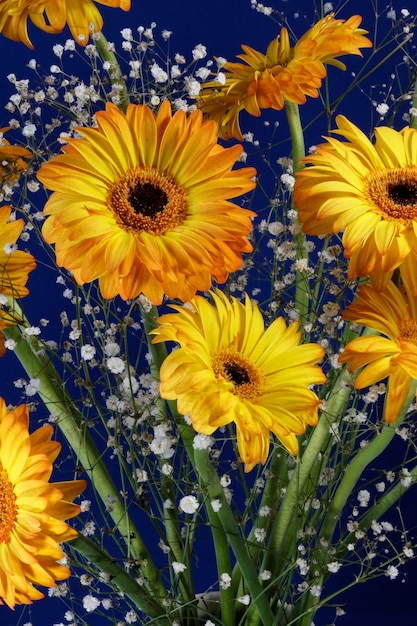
x=82, y=17
x=228, y=368
x=33, y=510
x=266, y=80
x=143, y=204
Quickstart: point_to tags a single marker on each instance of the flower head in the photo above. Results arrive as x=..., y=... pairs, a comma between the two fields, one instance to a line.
x=392, y=355
x=15, y=266
x=142, y=204
x=52, y=15
x=229, y=369
x=264, y=81
x=370, y=191
x=32, y=510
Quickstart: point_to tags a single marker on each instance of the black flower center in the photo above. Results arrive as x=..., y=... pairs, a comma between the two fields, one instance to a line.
x=403, y=193
x=393, y=191
x=147, y=199
x=238, y=374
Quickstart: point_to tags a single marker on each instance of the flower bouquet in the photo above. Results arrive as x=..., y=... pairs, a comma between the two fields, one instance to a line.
x=231, y=365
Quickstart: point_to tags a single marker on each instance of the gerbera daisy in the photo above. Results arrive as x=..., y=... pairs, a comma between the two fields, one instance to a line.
x=393, y=355
x=264, y=81
x=32, y=510
x=370, y=191
x=228, y=368
x=15, y=266
x=142, y=204
x=82, y=16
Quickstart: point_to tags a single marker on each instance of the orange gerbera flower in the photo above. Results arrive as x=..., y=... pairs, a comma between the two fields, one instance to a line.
x=264, y=81
x=228, y=368
x=32, y=510
x=142, y=204
x=15, y=266
x=393, y=355
x=52, y=15
x=370, y=191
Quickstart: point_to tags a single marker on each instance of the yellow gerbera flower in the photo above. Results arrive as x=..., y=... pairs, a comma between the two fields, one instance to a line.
x=31, y=509
x=141, y=203
x=52, y=15
x=229, y=369
x=15, y=265
x=264, y=81
x=370, y=191
x=392, y=356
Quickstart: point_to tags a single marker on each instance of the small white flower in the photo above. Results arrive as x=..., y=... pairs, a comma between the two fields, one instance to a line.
x=178, y=567
x=111, y=349
x=364, y=497
x=216, y=505
x=32, y=388
x=131, y=617
x=392, y=572
x=87, y=352
x=265, y=575
x=188, y=504
x=405, y=477
x=116, y=365
x=90, y=603
x=244, y=600
x=334, y=567
x=315, y=591
x=202, y=442
x=32, y=330
x=29, y=130
x=225, y=581
x=382, y=109
x=199, y=52
x=260, y=534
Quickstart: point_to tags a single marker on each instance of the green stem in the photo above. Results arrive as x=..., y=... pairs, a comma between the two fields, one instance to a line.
x=355, y=468
x=318, y=445
x=115, y=72
x=210, y=480
x=298, y=152
x=70, y=422
x=120, y=578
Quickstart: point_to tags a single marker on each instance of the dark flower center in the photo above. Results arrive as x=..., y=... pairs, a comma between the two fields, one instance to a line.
x=394, y=192
x=238, y=374
x=147, y=199
x=233, y=367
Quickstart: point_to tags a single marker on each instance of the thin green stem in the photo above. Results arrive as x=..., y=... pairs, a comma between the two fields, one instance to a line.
x=114, y=71
x=298, y=152
x=120, y=578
